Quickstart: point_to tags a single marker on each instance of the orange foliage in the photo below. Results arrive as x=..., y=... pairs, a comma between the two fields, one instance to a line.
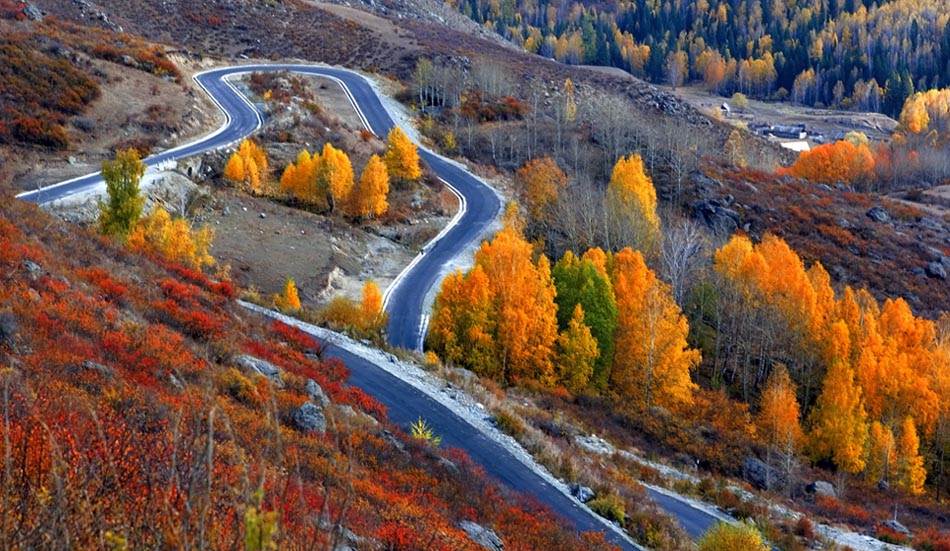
x=841, y=161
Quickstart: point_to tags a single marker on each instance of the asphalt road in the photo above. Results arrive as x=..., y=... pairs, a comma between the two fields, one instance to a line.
x=405, y=404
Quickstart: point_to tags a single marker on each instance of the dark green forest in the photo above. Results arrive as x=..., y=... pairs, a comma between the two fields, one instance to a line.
x=851, y=54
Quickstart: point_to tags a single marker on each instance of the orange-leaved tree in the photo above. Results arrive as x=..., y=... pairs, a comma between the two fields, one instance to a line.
x=911, y=473
x=462, y=327
x=540, y=182
x=841, y=161
x=655, y=364
x=631, y=207
x=402, y=158
x=371, y=308
x=778, y=425
x=368, y=198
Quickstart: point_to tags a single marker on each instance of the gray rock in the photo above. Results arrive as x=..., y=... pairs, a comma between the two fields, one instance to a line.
x=33, y=12
x=315, y=393
x=582, y=493
x=931, y=224
x=821, y=488
x=936, y=270
x=760, y=475
x=919, y=272
x=34, y=269
x=310, y=418
x=485, y=537
x=878, y=214
x=897, y=527
x=260, y=367
x=719, y=219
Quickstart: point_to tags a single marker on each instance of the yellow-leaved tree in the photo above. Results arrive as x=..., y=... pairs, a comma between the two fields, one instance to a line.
x=372, y=317
x=631, y=207
x=335, y=174
x=123, y=209
x=368, y=198
x=173, y=239
x=881, y=454
x=402, y=158
x=653, y=360
x=288, y=299
x=839, y=425
x=576, y=353
x=248, y=166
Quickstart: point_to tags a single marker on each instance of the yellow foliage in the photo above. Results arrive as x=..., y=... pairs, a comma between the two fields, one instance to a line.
x=577, y=351
x=288, y=299
x=369, y=197
x=174, y=239
x=248, y=166
x=911, y=473
x=335, y=174
x=728, y=537
x=631, y=201
x=402, y=158
x=778, y=425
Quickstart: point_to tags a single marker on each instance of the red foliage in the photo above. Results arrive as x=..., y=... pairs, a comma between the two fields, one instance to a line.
x=111, y=289
x=842, y=512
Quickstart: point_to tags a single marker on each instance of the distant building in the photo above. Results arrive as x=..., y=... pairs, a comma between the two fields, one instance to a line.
x=789, y=132
x=796, y=145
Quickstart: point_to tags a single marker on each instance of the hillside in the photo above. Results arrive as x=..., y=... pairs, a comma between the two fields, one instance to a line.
x=137, y=415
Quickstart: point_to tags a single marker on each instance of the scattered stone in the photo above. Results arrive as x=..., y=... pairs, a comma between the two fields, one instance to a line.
x=897, y=527
x=310, y=418
x=825, y=187
x=260, y=367
x=760, y=475
x=315, y=393
x=936, y=270
x=883, y=485
x=594, y=444
x=878, y=214
x=485, y=537
x=582, y=493
x=391, y=438
x=919, y=272
x=821, y=488
x=719, y=219
x=262, y=215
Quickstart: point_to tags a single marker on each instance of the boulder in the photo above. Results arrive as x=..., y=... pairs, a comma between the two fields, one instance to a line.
x=897, y=527
x=760, y=475
x=719, y=219
x=8, y=327
x=936, y=270
x=310, y=418
x=315, y=393
x=594, y=444
x=821, y=488
x=878, y=214
x=582, y=493
x=485, y=537
x=259, y=367
x=34, y=269
x=32, y=12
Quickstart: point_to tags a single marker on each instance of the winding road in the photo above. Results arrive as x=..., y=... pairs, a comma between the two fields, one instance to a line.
x=406, y=297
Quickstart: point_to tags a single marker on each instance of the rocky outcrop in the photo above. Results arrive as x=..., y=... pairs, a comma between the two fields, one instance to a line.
x=260, y=367
x=716, y=216
x=485, y=537
x=581, y=492
x=936, y=270
x=315, y=393
x=762, y=476
x=878, y=214
x=310, y=418
x=821, y=488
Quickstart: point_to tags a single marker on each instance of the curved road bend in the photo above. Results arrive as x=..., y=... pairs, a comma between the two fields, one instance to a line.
x=404, y=403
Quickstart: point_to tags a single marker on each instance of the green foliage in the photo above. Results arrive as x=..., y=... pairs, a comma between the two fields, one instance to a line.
x=421, y=430
x=609, y=506
x=260, y=527
x=580, y=282
x=124, y=208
